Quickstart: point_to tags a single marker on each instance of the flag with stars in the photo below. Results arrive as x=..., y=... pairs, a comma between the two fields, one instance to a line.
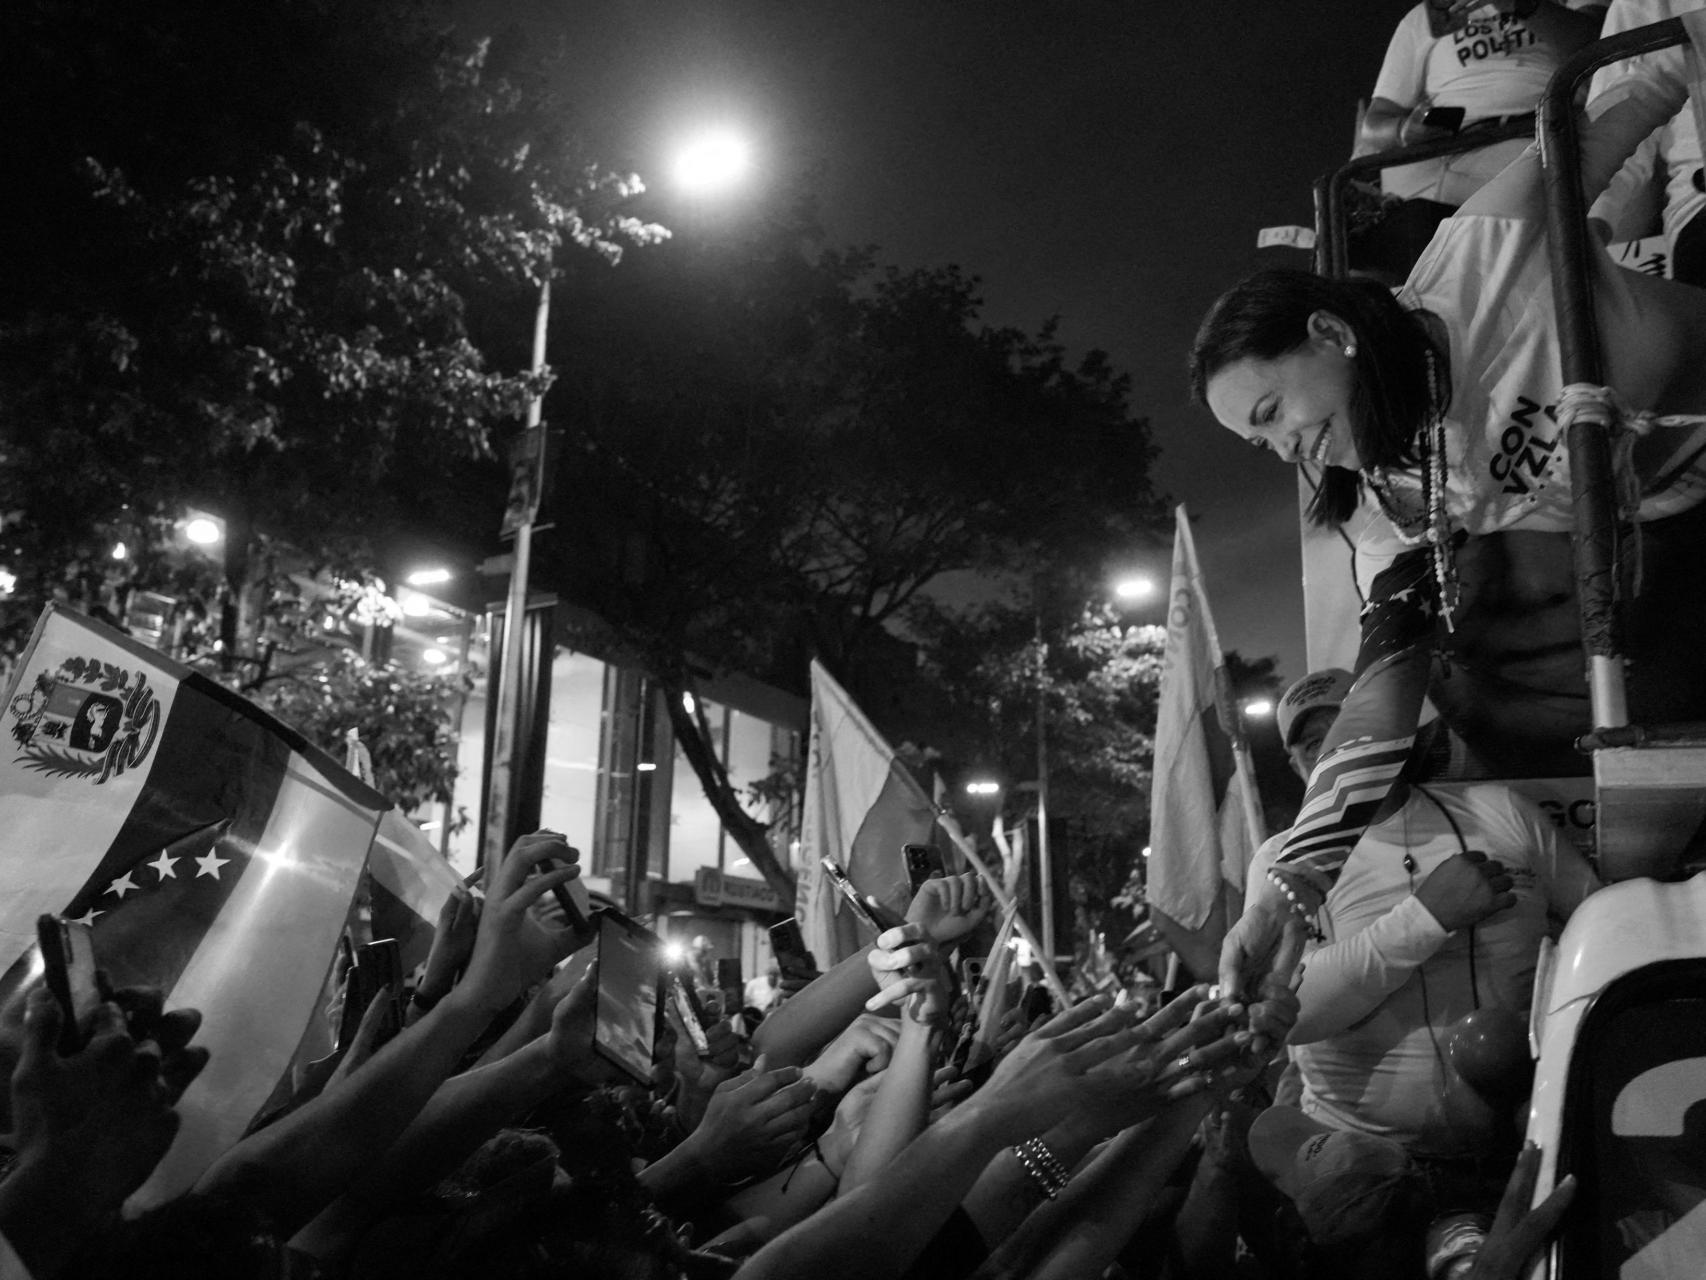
x=215, y=852
x=1205, y=820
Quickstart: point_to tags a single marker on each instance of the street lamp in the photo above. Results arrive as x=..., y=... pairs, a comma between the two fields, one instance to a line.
x=714, y=160
x=1136, y=588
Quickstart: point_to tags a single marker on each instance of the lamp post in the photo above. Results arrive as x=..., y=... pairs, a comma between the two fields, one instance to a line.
x=527, y=479
x=713, y=161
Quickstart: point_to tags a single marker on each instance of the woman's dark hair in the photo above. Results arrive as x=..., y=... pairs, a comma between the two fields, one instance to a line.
x=1266, y=315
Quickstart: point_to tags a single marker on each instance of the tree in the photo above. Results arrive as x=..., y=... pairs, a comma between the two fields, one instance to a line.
x=1099, y=681
x=263, y=261
x=775, y=448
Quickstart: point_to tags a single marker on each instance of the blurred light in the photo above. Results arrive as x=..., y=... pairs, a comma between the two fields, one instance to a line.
x=431, y=826
x=1134, y=588
x=1146, y=851
x=688, y=702
x=120, y=551
x=427, y=577
x=433, y=657
x=716, y=159
x=1023, y=954
x=646, y=766
x=1259, y=708
x=416, y=606
x=8, y=582
x=983, y=787
x=674, y=953
x=203, y=531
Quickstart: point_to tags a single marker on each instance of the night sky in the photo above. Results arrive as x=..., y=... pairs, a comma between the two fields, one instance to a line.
x=1107, y=162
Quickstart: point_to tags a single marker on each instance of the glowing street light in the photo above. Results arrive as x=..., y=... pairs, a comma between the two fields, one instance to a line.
x=204, y=531
x=1135, y=588
x=1259, y=708
x=983, y=787
x=428, y=577
x=712, y=161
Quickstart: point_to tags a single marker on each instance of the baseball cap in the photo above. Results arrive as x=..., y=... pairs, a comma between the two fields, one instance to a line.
x=1324, y=688
x=1346, y=1184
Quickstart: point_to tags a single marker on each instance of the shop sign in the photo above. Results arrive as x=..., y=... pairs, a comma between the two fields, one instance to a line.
x=711, y=888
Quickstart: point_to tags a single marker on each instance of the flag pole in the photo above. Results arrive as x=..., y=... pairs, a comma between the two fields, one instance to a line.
x=1244, y=775
x=1004, y=900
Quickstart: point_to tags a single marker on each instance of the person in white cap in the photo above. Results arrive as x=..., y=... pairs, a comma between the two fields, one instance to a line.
x=1438, y=913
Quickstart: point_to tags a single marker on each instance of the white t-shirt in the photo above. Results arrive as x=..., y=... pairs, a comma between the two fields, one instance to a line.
x=1495, y=66
x=1676, y=146
x=1489, y=280
x=1380, y=995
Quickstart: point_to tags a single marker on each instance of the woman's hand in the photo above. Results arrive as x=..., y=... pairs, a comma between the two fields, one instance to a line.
x=1267, y=942
x=950, y=907
x=909, y=971
x=863, y=1049
x=513, y=949
x=452, y=944
x=753, y=1122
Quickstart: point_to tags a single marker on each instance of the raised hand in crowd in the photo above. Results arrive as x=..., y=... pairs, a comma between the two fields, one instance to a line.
x=862, y=1050
x=87, y=1127
x=517, y=942
x=295, y=1167
x=908, y=968
x=950, y=907
x=751, y=1124
x=452, y=944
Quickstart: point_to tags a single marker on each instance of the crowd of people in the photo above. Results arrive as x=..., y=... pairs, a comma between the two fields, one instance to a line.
x=880, y=1119
x=890, y=1117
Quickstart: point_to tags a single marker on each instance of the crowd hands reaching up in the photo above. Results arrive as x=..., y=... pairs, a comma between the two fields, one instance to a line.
x=867, y=1125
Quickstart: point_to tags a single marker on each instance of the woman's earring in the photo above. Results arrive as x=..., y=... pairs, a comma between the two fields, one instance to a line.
x=1350, y=351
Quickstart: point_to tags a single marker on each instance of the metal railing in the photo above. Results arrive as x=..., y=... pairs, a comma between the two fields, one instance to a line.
x=1332, y=235
x=1594, y=533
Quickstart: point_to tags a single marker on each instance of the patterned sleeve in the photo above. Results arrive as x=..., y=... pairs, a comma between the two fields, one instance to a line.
x=1371, y=740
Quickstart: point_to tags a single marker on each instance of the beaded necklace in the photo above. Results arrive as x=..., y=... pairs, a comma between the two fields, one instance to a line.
x=1431, y=526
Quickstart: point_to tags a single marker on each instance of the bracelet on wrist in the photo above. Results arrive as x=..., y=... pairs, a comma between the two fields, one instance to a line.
x=1043, y=1167
x=422, y=1001
x=1302, y=909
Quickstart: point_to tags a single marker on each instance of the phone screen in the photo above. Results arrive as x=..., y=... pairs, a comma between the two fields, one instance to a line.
x=68, y=956
x=922, y=862
x=864, y=906
x=689, y=1010
x=626, y=1030
x=788, y=945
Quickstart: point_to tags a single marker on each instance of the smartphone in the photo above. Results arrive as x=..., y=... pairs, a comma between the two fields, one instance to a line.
x=1447, y=118
x=571, y=897
x=68, y=955
x=625, y=1030
x=377, y=966
x=691, y=1012
x=788, y=945
x=923, y=861
x=864, y=905
x=729, y=977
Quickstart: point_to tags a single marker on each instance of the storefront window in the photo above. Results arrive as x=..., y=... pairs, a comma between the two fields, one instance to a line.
x=695, y=831
x=570, y=798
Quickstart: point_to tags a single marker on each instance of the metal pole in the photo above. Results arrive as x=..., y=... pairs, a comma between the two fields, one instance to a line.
x=1045, y=863
x=500, y=800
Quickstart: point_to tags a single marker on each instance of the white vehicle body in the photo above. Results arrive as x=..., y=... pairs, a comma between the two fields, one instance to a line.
x=1619, y=1031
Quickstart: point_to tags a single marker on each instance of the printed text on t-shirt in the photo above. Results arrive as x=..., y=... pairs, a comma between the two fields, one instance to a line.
x=1491, y=38
x=1524, y=448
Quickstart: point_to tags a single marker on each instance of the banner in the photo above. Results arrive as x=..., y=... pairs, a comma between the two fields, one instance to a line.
x=1205, y=821
x=214, y=851
x=861, y=807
